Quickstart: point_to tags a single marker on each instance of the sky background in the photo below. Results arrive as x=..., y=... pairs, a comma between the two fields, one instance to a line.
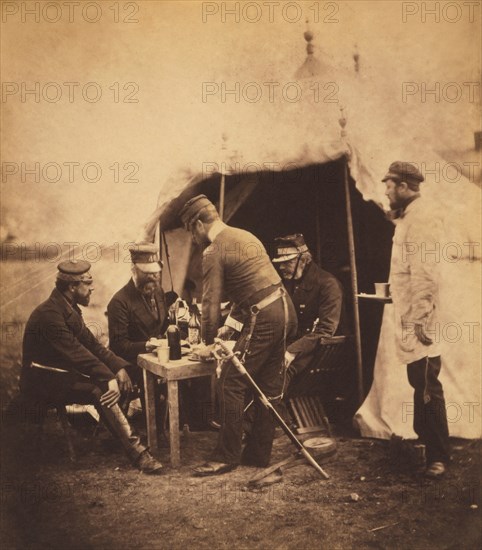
x=168, y=54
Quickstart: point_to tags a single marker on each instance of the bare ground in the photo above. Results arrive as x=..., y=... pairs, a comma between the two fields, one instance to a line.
x=372, y=499
x=102, y=502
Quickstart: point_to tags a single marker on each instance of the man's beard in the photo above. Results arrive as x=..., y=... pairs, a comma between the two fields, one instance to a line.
x=396, y=204
x=83, y=300
x=149, y=288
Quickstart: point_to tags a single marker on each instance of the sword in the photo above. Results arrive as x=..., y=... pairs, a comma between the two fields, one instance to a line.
x=223, y=353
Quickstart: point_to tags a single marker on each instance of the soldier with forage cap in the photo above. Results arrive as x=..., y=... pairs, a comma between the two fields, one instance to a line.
x=56, y=337
x=318, y=299
x=138, y=311
x=236, y=265
x=414, y=285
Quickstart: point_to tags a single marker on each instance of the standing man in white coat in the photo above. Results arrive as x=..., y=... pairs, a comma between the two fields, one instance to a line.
x=415, y=292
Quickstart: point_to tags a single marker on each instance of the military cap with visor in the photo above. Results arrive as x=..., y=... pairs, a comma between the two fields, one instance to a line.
x=145, y=256
x=289, y=247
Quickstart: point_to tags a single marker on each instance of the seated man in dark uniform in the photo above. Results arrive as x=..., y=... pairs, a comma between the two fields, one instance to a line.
x=138, y=311
x=318, y=299
x=63, y=362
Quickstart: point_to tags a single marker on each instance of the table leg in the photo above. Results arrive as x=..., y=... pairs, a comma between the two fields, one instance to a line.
x=151, y=416
x=173, y=399
x=213, y=396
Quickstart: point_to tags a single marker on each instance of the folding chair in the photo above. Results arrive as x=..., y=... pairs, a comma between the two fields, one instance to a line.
x=320, y=381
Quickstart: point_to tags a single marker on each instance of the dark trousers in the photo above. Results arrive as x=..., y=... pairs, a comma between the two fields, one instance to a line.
x=430, y=415
x=298, y=365
x=85, y=393
x=264, y=361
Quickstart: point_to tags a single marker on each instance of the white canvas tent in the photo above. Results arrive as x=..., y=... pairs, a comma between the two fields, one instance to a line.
x=173, y=129
x=278, y=137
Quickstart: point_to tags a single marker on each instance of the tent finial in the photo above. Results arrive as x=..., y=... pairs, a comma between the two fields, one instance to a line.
x=342, y=120
x=312, y=66
x=356, y=59
x=308, y=35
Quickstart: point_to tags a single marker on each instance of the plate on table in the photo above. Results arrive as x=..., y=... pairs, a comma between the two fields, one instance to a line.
x=195, y=357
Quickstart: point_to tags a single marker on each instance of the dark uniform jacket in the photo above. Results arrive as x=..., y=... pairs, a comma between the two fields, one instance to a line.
x=56, y=336
x=132, y=323
x=318, y=294
x=235, y=267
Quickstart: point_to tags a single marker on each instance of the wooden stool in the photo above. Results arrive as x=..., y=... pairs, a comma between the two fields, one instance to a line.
x=61, y=411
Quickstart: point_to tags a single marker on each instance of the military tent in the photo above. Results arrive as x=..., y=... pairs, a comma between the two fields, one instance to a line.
x=282, y=168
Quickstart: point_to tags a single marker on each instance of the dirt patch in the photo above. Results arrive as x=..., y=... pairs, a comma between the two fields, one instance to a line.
x=370, y=501
x=102, y=502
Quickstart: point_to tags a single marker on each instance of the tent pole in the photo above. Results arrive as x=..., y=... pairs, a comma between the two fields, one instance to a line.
x=158, y=241
x=221, y=197
x=354, y=285
x=318, y=226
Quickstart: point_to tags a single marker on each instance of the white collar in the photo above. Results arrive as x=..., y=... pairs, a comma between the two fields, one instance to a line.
x=215, y=229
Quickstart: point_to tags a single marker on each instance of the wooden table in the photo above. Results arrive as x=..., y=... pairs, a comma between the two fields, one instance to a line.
x=172, y=372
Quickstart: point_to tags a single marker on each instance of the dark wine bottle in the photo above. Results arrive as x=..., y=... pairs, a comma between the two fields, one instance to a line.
x=174, y=342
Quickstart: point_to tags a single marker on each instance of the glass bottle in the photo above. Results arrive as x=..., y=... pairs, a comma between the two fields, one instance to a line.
x=194, y=325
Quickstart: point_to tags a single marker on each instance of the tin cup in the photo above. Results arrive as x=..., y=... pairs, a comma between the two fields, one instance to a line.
x=382, y=290
x=163, y=354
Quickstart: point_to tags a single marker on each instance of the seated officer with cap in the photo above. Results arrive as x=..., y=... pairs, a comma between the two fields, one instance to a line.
x=317, y=296
x=138, y=311
x=57, y=339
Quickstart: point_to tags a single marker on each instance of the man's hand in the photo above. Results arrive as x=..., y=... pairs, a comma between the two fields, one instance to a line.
x=225, y=333
x=288, y=359
x=422, y=335
x=124, y=381
x=152, y=343
x=112, y=395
